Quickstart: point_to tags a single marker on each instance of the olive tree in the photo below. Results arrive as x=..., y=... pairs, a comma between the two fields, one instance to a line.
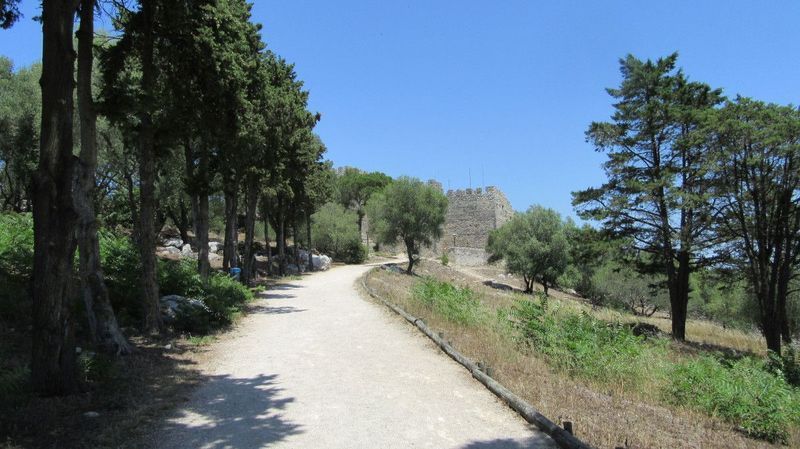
x=533, y=244
x=410, y=211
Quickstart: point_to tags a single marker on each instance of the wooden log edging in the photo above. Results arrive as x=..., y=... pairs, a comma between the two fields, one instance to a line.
x=563, y=438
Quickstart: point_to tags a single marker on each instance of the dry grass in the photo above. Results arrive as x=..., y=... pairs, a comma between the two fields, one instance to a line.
x=698, y=332
x=604, y=416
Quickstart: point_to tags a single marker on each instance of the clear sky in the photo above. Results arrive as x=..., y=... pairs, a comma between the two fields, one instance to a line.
x=503, y=90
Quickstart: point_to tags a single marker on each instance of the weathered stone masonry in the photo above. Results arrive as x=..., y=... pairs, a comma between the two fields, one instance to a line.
x=471, y=216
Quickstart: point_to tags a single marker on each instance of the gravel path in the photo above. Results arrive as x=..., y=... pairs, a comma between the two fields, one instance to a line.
x=318, y=366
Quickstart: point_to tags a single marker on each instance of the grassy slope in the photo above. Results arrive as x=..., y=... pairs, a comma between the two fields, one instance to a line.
x=605, y=414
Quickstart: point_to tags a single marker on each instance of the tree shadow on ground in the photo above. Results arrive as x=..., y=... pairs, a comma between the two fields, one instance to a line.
x=283, y=286
x=229, y=412
x=508, y=443
x=276, y=310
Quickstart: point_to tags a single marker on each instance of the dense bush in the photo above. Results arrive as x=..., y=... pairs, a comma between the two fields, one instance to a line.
x=121, y=267
x=16, y=263
x=224, y=296
x=457, y=304
x=742, y=392
x=623, y=288
x=179, y=278
x=334, y=232
x=585, y=346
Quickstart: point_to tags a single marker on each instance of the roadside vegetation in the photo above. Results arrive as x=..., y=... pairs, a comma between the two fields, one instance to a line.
x=619, y=380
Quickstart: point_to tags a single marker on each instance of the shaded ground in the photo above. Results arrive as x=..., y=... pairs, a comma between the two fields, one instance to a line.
x=315, y=365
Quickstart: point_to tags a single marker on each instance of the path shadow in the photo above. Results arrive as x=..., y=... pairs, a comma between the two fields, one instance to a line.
x=284, y=286
x=269, y=295
x=508, y=443
x=276, y=310
x=230, y=412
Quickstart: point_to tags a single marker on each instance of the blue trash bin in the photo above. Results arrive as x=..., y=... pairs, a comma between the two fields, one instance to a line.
x=236, y=272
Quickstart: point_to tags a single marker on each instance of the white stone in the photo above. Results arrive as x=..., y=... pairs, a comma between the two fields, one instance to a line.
x=186, y=251
x=174, y=242
x=321, y=262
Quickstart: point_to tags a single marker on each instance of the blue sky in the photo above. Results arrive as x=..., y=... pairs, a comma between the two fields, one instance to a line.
x=502, y=90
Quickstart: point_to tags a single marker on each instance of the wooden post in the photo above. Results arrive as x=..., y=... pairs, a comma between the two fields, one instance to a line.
x=568, y=427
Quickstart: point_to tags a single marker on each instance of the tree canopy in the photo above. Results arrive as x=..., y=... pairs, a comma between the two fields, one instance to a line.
x=408, y=211
x=533, y=244
x=658, y=190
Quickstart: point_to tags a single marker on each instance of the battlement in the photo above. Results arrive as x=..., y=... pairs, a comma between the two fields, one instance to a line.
x=478, y=191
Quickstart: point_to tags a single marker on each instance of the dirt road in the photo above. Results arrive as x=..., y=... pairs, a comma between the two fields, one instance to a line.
x=318, y=366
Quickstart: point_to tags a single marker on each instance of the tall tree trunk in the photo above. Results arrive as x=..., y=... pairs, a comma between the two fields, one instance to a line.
x=203, y=265
x=229, y=252
x=102, y=320
x=248, y=271
x=679, y=296
x=295, y=239
x=147, y=177
x=308, y=240
x=54, y=216
x=266, y=236
x=410, y=251
x=192, y=187
x=132, y=205
x=180, y=218
x=281, y=238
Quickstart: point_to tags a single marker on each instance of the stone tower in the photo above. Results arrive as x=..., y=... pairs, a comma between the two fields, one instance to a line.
x=471, y=216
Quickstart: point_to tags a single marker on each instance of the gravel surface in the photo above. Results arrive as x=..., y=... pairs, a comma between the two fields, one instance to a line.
x=317, y=366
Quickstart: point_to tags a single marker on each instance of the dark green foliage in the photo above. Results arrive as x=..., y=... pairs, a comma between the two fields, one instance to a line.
x=355, y=188
x=354, y=252
x=407, y=211
x=742, y=392
x=16, y=260
x=533, y=244
x=458, y=304
x=9, y=13
x=13, y=381
x=335, y=233
x=786, y=365
x=225, y=296
x=658, y=190
x=179, y=278
x=121, y=266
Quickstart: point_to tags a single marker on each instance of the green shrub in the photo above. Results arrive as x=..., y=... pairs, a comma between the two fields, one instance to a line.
x=122, y=268
x=16, y=246
x=352, y=252
x=445, y=259
x=456, y=304
x=179, y=277
x=16, y=266
x=335, y=233
x=584, y=346
x=225, y=296
x=742, y=392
